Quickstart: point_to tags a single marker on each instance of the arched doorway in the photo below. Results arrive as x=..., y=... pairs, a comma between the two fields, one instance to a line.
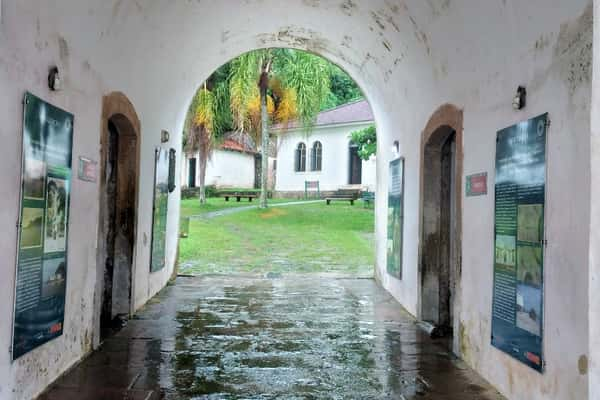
x=118, y=204
x=441, y=167
x=355, y=165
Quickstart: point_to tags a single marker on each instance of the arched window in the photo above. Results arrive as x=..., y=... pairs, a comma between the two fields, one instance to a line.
x=301, y=157
x=316, y=157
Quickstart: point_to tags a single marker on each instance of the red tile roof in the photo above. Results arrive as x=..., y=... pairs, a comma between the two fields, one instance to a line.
x=235, y=141
x=230, y=144
x=358, y=111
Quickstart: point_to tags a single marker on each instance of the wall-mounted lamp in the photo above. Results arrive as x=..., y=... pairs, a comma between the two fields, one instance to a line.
x=54, y=82
x=396, y=148
x=520, y=99
x=164, y=136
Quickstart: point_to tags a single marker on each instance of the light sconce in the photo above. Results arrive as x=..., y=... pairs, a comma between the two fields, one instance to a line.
x=164, y=136
x=520, y=99
x=54, y=82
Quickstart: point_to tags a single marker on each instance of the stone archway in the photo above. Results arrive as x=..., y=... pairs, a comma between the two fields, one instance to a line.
x=118, y=178
x=440, y=219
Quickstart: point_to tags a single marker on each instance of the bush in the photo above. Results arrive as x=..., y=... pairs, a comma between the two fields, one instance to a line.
x=191, y=193
x=366, y=140
x=211, y=191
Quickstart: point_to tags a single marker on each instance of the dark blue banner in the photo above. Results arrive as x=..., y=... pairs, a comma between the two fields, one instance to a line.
x=395, y=218
x=160, y=210
x=43, y=225
x=518, y=297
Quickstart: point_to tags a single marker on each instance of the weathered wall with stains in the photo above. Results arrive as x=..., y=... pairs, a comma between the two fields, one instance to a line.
x=34, y=36
x=409, y=56
x=549, y=52
x=25, y=55
x=594, y=222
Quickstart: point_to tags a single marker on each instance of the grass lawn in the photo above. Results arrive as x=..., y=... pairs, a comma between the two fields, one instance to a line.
x=193, y=207
x=300, y=238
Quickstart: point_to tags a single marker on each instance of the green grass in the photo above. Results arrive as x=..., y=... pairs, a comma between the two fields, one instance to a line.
x=300, y=238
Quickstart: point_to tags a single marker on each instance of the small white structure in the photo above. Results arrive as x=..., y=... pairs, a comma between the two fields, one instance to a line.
x=326, y=153
x=231, y=165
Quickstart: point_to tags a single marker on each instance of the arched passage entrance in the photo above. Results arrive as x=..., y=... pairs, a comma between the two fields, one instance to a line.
x=119, y=165
x=410, y=55
x=320, y=162
x=441, y=175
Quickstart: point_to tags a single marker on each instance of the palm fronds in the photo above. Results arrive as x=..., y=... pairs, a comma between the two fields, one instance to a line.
x=309, y=76
x=288, y=107
x=243, y=86
x=254, y=116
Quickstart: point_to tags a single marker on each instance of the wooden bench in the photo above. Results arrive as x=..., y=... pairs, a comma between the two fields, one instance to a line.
x=239, y=197
x=368, y=198
x=350, y=195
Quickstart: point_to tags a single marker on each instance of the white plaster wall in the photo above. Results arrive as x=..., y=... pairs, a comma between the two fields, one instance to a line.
x=272, y=177
x=225, y=169
x=408, y=56
x=594, y=223
x=335, y=163
x=506, y=45
x=33, y=37
x=230, y=169
x=184, y=168
x=25, y=55
x=369, y=174
x=550, y=53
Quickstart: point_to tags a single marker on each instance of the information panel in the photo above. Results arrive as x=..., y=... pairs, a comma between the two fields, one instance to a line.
x=161, y=202
x=395, y=218
x=518, y=298
x=43, y=225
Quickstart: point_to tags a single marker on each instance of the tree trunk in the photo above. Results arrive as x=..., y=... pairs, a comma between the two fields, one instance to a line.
x=202, y=160
x=263, y=85
x=264, y=149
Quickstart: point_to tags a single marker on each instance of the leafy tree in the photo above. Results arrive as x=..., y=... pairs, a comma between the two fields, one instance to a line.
x=276, y=85
x=343, y=89
x=366, y=140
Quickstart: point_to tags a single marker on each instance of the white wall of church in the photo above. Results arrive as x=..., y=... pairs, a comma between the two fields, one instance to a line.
x=335, y=171
x=410, y=57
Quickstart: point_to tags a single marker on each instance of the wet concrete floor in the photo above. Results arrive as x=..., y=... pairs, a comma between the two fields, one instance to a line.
x=293, y=337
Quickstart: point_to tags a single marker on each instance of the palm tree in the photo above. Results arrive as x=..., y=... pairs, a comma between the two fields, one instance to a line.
x=276, y=85
x=207, y=119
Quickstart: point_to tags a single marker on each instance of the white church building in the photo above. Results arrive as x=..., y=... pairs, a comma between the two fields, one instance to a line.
x=231, y=165
x=326, y=153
